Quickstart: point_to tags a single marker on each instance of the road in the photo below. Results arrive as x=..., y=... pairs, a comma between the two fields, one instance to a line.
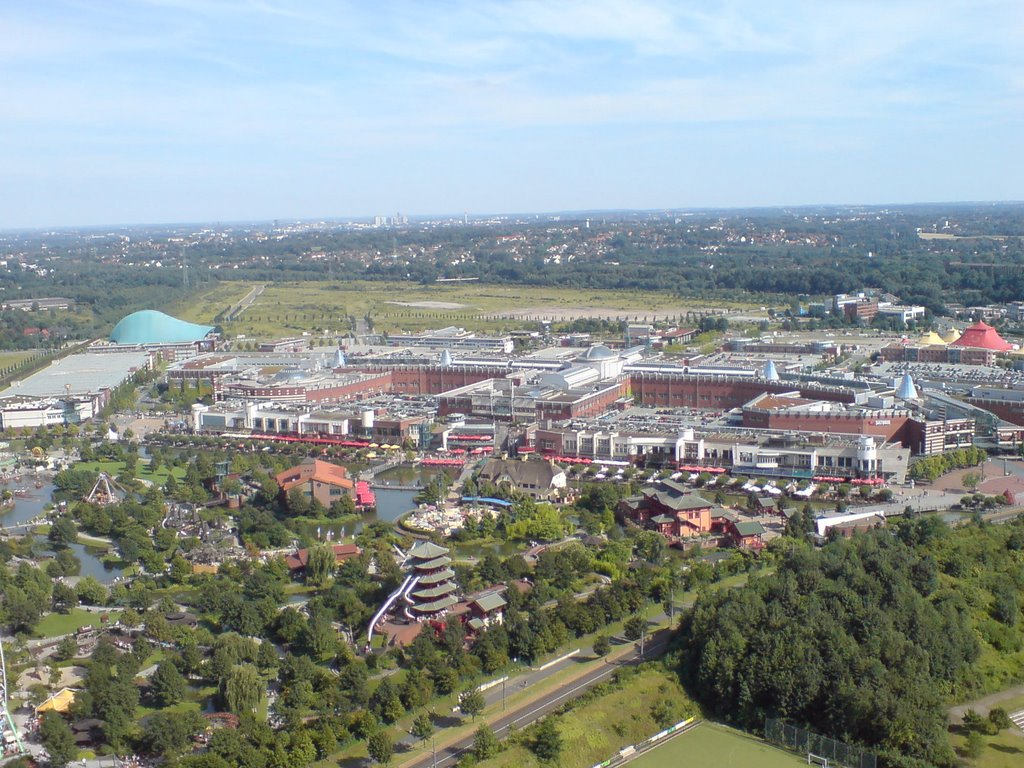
x=527, y=713
x=245, y=303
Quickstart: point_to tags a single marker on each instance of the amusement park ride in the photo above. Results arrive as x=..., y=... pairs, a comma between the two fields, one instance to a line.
x=7, y=726
x=103, y=492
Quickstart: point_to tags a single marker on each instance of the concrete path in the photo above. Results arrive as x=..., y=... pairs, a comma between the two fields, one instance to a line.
x=984, y=704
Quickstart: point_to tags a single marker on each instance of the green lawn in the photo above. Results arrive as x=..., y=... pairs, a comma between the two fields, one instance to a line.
x=1004, y=750
x=114, y=468
x=13, y=358
x=710, y=745
x=62, y=624
x=600, y=727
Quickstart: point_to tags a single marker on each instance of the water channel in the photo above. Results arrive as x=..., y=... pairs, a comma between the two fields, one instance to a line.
x=32, y=505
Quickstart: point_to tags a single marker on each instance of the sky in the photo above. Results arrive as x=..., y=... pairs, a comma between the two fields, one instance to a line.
x=153, y=111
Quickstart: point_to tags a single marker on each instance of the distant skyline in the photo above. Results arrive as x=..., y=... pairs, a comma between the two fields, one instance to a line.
x=153, y=111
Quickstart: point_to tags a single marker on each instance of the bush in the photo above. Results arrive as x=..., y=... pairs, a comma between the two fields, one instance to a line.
x=999, y=719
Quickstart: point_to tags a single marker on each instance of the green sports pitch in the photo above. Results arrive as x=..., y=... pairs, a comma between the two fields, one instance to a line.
x=710, y=745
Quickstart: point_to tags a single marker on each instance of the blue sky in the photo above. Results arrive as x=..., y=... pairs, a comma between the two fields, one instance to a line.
x=219, y=110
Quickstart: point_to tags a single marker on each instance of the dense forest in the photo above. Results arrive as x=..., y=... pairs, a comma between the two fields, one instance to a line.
x=868, y=640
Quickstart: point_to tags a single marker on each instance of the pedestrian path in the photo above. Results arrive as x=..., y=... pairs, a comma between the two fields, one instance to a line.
x=1018, y=719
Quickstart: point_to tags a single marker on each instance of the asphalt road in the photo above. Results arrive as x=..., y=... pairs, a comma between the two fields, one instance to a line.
x=528, y=713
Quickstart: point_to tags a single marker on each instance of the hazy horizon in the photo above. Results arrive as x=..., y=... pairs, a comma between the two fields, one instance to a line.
x=181, y=111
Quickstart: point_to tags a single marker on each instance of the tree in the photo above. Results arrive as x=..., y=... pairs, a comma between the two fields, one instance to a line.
x=56, y=736
x=67, y=648
x=171, y=733
x=62, y=533
x=167, y=686
x=999, y=719
x=385, y=702
x=471, y=702
x=547, y=743
x=602, y=645
x=485, y=743
x=972, y=480
x=91, y=591
x=320, y=566
x=64, y=597
x=650, y=546
x=380, y=747
x=242, y=689
x=422, y=726
x=975, y=745
x=634, y=627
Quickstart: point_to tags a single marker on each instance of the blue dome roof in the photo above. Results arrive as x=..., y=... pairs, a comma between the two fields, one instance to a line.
x=152, y=327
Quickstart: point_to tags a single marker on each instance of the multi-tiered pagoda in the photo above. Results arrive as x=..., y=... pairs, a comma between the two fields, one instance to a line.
x=433, y=590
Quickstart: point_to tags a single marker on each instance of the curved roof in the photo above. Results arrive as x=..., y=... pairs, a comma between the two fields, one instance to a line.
x=152, y=327
x=597, y=352
x=951, y=335
x=983, y=336
x=932, y=339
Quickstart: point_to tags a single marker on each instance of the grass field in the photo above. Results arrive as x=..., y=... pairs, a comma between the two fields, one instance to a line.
x=13, y=358
x=62, y=624
x=711, y=745
x=114, y=468
x=602, y=726
x=324, y=308
x=1004, y=750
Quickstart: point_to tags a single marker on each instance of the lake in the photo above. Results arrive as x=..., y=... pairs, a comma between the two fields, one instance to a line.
x=26, y=507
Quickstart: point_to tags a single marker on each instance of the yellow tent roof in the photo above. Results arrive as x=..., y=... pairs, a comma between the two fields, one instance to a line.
x=60, y=702
x=931, y=339
x=951, y=335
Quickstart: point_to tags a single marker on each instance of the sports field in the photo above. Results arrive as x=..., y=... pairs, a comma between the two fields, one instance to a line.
x=710, y=745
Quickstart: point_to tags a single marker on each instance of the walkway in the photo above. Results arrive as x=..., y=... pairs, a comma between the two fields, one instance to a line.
x=985, y=703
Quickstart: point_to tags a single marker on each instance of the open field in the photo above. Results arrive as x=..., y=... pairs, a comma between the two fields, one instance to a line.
x=114, y=468
x=13, y=358
x=206, y=305
x=56, y=624
x=948, y=236
x=327, y=308
x=710, y=745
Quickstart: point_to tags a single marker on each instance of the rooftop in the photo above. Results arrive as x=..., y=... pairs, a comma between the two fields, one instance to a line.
x=152, y=327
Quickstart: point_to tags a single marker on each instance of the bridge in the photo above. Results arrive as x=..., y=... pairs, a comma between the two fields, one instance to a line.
x=372, y=472
x=397, y=487
x=27, y=526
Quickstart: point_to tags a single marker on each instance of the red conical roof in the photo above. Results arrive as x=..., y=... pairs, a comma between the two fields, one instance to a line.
x=983, y=336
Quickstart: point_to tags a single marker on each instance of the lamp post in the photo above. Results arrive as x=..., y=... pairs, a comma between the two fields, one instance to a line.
x=433, y=748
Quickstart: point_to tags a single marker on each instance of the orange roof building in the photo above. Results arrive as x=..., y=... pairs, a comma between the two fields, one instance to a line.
x=320, y=480
x=342, y=552
x=982, y=336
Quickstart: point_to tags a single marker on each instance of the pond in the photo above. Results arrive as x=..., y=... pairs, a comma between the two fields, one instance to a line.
x=26, y=507
x=406, y=475
x=32, y=505
x=391, y=504
x=93, y=566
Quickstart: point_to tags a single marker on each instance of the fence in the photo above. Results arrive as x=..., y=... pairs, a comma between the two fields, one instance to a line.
x=803, y=741
x=631, y=751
